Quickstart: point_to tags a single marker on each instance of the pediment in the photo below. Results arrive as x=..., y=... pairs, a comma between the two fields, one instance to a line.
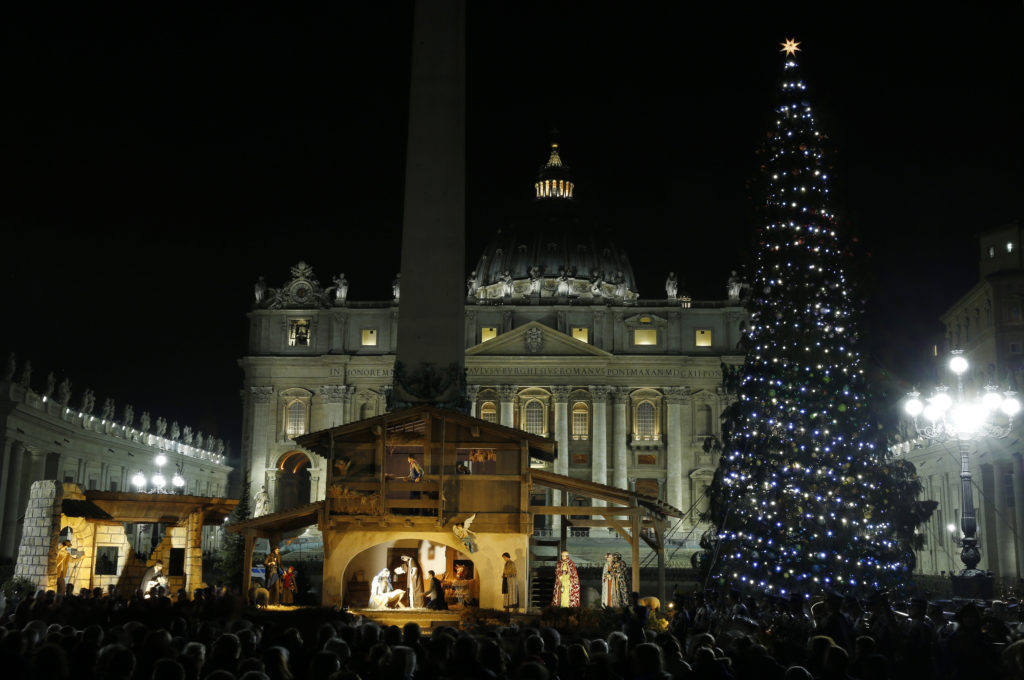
x=535, y=339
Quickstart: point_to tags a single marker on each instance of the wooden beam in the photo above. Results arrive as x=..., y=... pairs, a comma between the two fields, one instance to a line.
x=620, y=528
x=576, y=510
x=411, y=502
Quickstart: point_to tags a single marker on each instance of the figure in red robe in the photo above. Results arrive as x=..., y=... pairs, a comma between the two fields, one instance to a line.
x=567, y=583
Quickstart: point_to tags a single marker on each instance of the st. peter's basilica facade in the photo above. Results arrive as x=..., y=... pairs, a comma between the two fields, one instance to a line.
x=558, y=343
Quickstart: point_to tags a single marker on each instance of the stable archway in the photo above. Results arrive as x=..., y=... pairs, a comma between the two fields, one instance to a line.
x=354, y=550
x=293, y=481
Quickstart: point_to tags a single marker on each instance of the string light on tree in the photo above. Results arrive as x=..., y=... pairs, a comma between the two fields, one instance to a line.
x=805, y=496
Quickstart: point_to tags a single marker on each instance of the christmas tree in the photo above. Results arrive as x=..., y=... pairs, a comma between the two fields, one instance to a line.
x=805, y=496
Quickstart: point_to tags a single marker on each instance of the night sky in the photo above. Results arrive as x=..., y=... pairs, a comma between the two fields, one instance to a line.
x=158, y=161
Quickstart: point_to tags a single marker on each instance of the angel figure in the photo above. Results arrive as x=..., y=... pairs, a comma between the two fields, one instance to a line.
x=341, y=467
x=463, y=533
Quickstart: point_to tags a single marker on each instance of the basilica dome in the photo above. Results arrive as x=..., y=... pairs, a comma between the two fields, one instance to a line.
x=554, y=252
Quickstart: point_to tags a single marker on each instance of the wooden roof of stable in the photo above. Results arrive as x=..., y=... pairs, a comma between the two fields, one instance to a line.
x=86, y=509
x=279, y=522
x=485, y=432
x=166, y=508
x=602, y=492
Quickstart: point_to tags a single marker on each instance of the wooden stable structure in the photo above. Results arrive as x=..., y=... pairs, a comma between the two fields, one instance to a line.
x=471, y=468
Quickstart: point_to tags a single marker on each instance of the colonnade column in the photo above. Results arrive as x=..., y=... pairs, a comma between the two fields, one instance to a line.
x=674, y=397
x=14, y=486
x=620, y=430
x=1018, y=509
x=599, y=437
x=507, y=395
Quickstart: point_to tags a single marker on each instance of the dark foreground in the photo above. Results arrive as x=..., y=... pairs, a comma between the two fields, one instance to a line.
x=217, y=636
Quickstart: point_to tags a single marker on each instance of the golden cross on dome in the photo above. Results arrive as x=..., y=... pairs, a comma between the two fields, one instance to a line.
x=790, y=47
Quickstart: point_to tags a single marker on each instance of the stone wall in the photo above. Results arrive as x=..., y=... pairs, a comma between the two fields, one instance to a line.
x=41, y=528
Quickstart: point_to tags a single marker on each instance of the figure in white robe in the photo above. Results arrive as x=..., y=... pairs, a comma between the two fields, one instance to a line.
x=382, y=594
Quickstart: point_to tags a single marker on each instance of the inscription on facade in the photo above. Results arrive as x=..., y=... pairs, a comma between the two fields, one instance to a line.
x=582, y=371
x=370, y=373
x=595, y=371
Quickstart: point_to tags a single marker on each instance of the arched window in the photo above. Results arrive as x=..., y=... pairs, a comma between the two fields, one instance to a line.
x=489, y=412
x=535, y=418
x=645, y=420
x=580, y=420
x=296, y=423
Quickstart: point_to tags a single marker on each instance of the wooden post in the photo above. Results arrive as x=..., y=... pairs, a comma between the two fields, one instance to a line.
x=659, y=537
x=563, y=542
x=635, y=526
x=428, y=449
x=250, y=541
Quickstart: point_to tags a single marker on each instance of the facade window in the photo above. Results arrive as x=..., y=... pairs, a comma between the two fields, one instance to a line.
x=489, y=412
x=369, y=337
x=534, y=418
x=298, y=333
x=645, y=336
x=991, y=252
x=704, y=421
x=703, y=337
x=580, y=420
x=645, y=420
x=1011, y=500
x=1016, y=348
x=113, y=486
x=580, y=333
x=296, y=419
x=488, y=333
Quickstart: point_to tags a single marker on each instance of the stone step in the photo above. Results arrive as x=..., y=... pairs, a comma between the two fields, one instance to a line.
x=427, y=619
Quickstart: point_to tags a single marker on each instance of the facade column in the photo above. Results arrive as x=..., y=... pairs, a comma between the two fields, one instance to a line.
x=599, y=437
x=674, y=397
x=37, y=470
x=507, y=395
x=560, y=397
x=262, y=424
x=1018, y=510
x=5, y=480
x=988, y=528
x=1005, y=548
x=273, y=488
x=14, y=486
x=620, y=432
x=472, y=393
x=334, y=399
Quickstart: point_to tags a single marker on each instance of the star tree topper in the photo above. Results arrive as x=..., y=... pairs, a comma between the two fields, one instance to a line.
x=790, y=47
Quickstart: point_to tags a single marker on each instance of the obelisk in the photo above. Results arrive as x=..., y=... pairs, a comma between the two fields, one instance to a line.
x=430, y=362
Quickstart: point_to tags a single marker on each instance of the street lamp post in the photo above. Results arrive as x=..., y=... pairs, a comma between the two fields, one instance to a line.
x=964, y=420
